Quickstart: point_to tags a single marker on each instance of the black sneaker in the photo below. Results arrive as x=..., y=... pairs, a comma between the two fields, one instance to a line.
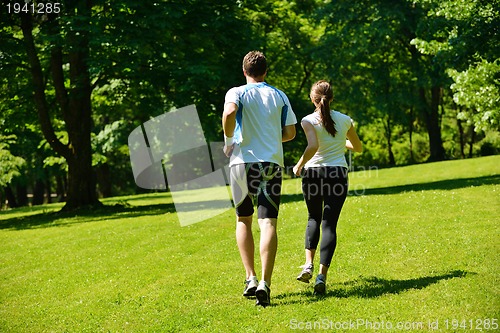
x=250, y=287
x=320, y=285
x=263, y=294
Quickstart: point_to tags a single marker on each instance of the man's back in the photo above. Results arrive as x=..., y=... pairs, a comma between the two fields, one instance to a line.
x=262, y=112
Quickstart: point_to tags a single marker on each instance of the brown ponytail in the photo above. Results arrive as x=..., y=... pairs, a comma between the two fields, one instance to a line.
x=321, y=96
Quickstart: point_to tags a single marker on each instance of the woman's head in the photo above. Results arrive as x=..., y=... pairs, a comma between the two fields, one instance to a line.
x=321, y=93
x=255, y=64
x=321, y=96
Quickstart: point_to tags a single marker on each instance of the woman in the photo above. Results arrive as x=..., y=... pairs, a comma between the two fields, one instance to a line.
x=324, y=182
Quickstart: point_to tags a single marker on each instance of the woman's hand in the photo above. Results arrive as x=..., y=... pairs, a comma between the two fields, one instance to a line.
x=297, y=169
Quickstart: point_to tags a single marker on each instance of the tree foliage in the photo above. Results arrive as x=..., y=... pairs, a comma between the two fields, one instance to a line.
x=9, y=164
x=477, y=89
x=417, y=77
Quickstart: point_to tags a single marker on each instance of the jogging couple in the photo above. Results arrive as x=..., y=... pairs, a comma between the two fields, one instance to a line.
x=257, y=118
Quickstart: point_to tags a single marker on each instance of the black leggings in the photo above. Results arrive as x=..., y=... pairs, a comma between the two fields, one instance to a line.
x=325, y=191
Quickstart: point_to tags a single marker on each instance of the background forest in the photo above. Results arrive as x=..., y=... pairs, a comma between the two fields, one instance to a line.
x=420, y=78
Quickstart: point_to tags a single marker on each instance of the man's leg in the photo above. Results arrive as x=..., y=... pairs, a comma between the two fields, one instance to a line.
x=268, y=247
x=244, y=239
x=268, y=201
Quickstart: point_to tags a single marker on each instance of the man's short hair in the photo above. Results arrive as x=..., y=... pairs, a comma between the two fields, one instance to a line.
x=255, y=64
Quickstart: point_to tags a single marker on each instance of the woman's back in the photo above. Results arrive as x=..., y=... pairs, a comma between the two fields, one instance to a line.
x=331, y=149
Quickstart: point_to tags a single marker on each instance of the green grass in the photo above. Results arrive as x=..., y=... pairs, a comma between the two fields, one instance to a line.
x=417, y=245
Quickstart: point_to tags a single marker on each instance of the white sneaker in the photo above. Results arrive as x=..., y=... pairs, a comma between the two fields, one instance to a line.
x=306, y=273
x=250, y=286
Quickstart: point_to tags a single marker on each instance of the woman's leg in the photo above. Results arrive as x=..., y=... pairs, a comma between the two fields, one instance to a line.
x=312, y=195
x=311, y=188
x=335, y=192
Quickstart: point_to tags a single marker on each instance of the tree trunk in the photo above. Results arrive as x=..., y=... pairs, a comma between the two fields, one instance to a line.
x=104, y=180
x=48, y=186
x=61, y=188
x=22, y=195
x=38, y=193
x=305, y=78
x=392, y=160
x=75, y=103
x=431, y=113
x=11, y=198
x=388, y=134
x=81, y=177
x=471, y=143
x=410, y=130
x=462, y=138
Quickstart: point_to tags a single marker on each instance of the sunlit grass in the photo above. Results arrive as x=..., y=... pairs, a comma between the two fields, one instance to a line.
x=418, y=246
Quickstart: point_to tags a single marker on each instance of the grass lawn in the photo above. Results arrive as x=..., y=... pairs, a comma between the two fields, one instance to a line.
x=418, y=250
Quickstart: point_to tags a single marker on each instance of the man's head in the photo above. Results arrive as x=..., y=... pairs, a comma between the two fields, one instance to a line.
x=255, y=64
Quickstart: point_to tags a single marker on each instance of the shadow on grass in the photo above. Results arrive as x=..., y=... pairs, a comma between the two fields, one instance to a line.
x=286, y=198
x=449, y=184
x=371, y=287
x=63, y=218
x=105, y=212
x=119, y=211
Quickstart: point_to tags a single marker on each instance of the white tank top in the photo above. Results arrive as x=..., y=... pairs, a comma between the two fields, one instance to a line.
x=331, y=150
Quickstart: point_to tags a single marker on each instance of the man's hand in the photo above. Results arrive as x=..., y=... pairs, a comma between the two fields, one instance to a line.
x=228, y=150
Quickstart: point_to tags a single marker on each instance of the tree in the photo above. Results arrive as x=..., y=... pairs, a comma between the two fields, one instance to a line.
x=371, y=65
x=70, y=47
x=477, y=89
x=461, y=37
x=80, y=80
x=150, y=56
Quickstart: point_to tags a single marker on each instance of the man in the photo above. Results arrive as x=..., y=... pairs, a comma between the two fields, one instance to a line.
x=257, y=118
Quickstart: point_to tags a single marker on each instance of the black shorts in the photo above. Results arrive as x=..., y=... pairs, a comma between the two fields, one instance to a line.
x=256, y=180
